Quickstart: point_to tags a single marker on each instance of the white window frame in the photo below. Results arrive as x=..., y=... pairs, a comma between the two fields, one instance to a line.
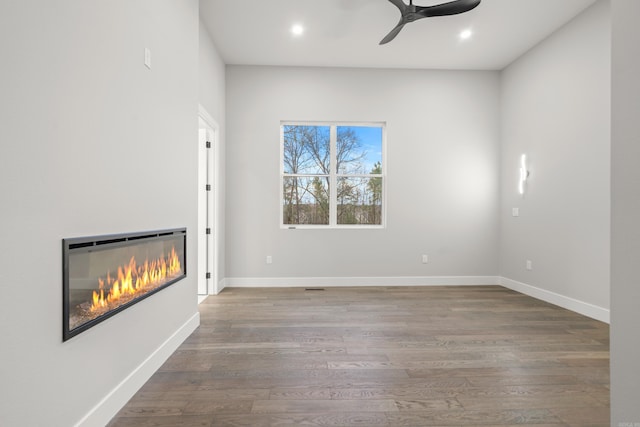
x=333, y=177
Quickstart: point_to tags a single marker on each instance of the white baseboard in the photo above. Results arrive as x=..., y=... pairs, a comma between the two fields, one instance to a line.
x=303, y=282
x=584, y=308
x=109, y=406
x=221, y=285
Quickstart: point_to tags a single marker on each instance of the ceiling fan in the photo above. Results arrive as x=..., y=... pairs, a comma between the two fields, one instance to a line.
x=412, y=13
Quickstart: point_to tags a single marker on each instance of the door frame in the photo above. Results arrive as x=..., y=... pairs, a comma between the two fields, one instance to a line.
x=208, y=166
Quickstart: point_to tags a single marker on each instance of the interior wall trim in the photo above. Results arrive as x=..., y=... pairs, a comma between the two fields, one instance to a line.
x=302, y=282
x=115, y=400
x=587, y=309
x=223, y=283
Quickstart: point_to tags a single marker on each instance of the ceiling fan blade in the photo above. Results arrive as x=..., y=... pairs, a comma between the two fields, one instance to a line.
x=451, y=8
x=392, y=35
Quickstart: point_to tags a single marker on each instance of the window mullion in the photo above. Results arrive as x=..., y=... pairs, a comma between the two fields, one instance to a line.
x=333, y=188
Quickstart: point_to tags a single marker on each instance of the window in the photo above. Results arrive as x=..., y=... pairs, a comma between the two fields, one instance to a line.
x=332, y=175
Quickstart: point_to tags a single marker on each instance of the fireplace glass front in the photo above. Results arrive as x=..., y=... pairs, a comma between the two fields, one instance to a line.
x=103, y=275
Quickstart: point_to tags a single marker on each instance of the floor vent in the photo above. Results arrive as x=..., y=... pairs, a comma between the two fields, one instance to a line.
x=314, y=289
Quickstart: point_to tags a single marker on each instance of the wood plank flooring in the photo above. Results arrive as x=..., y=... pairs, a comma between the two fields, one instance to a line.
x=381, y=356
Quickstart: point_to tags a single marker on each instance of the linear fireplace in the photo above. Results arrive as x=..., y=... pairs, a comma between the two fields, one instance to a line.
x=103, y=275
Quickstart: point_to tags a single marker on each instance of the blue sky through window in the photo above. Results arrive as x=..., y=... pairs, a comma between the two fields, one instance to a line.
x=370, y=142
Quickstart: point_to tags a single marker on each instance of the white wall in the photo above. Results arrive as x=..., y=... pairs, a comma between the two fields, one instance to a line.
x=625, y=212
x=555, y=108
x=212, y=86
x=211, y=76
x=442, y=132
x=92, y=142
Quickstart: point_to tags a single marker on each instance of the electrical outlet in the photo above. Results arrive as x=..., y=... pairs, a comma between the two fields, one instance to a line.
x=529, y=265
x=515, y=212
x=425, y=259
x=269, y=259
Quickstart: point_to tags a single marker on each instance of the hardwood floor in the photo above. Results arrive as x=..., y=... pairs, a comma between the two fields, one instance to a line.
x=398, y=356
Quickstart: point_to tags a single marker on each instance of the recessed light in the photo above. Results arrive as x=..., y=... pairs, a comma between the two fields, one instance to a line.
x=297, y=30
x=465, y=34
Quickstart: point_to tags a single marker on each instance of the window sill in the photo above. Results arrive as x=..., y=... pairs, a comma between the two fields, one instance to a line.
x=333, y=227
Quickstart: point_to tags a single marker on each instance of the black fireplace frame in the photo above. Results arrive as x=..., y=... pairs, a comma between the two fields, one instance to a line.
x=87, y=244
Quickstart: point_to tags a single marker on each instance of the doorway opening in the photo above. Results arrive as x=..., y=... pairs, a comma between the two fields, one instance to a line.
x=208, y=140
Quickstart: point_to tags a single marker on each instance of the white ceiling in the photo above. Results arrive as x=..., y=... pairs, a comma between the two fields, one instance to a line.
x=345, y=33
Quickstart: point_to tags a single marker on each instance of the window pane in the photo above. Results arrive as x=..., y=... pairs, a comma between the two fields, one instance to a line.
x=360, y=201
x=359, y=149
x=306, y=149
x=306, y=200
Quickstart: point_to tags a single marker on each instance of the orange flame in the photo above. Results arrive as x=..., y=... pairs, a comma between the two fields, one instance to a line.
x=134, y=279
